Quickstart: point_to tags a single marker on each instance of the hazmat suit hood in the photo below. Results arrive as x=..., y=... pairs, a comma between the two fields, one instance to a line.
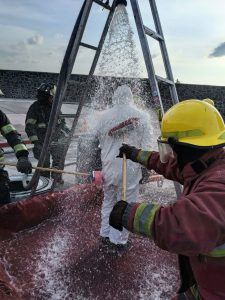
x=122, y=95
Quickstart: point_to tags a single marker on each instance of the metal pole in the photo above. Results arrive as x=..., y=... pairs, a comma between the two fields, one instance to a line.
x=147, y=54
x=164, y=52
x=65, y=72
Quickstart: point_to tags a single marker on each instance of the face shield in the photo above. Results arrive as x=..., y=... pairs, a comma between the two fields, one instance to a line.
x=165, y=151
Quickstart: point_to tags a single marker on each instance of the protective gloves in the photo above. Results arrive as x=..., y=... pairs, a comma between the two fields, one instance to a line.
x=24, y=165
x=116, y=215
x=90, y=178
x=130, y=151
x=135, y=154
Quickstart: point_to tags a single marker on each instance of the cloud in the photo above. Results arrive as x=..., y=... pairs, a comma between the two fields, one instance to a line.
x=27, y=10
x=37, y=39
x=218, y=51
x=58, y=36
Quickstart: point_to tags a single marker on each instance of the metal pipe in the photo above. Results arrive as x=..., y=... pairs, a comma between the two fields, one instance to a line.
x=124, y=2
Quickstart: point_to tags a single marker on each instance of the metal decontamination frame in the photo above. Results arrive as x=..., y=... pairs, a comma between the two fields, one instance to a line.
x=71, y=54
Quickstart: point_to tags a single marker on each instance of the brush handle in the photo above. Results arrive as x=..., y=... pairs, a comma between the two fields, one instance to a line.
x=47, y=169
x=124, y=177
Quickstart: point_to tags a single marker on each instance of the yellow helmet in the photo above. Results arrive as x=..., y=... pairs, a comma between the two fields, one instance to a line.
x=194, y=122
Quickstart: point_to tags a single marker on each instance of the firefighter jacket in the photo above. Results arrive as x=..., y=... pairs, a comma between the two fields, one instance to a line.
x=37, y=120
x=193, y=226
x=12, y=136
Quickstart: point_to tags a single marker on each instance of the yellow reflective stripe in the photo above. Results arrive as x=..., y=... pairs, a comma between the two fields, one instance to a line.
x=195, y=292
x=31, y=121
x=137, y=216
x=144, y=217
x=143, y=157
x=222, y=136
x=19, y=147
x=183, y=134
x=33, y=138
x=150, y=220
x=217, y=252
x=41, y=125
x=7, y=129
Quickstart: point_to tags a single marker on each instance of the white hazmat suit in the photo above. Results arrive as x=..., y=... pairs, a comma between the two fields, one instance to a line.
x=112, y=130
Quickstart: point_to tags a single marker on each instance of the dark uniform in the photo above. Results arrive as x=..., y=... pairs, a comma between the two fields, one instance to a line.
x=14, y=140
x=37, y=120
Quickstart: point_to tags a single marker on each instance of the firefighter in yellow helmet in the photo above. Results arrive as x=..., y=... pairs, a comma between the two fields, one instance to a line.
x=191, y=153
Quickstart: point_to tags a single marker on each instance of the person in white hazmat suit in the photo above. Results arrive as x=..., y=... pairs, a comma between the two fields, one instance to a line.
x=124, y=122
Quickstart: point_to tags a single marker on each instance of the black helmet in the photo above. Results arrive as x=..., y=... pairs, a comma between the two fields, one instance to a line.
x=45, y=90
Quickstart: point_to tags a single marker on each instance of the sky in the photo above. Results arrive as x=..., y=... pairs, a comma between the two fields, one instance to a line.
x=34, y=36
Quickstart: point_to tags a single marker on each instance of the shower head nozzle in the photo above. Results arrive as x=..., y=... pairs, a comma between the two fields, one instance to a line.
x=124, y=2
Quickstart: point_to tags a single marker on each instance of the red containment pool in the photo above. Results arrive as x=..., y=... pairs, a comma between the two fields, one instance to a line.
x=50, y=249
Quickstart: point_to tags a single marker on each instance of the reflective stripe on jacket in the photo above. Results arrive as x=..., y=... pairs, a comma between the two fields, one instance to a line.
x=12, y=136
x=37, y=120
x=193, y=226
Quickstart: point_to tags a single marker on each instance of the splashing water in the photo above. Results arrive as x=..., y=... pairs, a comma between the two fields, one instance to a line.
x=50, y=284
x=118, y=60
x=119, y=55
x=118, y=64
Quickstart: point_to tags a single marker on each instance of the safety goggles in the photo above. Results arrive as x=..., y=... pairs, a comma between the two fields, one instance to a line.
x=165, y=151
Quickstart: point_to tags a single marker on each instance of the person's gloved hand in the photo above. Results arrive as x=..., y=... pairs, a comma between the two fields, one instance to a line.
x=24, y=165
x=90, y=178
x=116, y=215
x=130, y=151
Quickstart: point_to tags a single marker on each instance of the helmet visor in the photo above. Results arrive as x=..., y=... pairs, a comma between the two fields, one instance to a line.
x=165, y=151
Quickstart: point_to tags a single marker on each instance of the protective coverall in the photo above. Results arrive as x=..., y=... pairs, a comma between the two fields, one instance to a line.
x=14, y=140
x=37, y=119
x=112, y=129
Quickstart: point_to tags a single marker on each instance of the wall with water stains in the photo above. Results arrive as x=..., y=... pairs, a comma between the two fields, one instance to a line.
x=23, y=85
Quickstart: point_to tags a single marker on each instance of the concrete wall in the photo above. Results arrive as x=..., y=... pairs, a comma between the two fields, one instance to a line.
x=23, y=85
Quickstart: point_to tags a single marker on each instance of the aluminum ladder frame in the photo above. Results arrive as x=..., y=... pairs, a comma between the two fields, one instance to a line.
x=143, y=32
x=66, y=69
x=70, y=57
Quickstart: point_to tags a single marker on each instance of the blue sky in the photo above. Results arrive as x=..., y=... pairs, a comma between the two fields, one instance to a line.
x=34, y=35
